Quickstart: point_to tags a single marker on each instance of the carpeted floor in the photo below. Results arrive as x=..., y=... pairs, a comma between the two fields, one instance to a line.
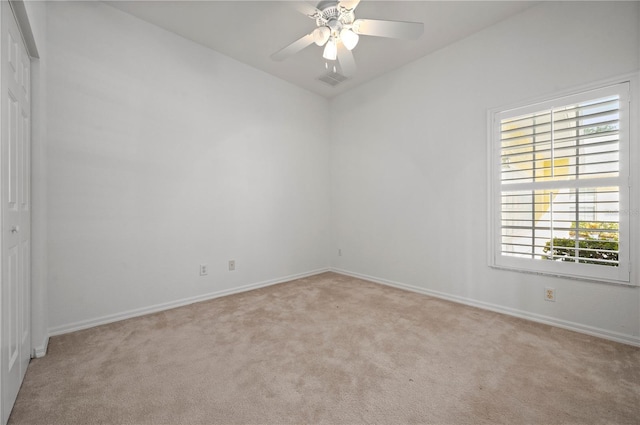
x=330, y=349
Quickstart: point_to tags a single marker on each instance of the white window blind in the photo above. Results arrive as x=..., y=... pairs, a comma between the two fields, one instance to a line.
x=561, y=185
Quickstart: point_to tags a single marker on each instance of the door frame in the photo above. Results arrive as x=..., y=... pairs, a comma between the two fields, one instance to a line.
x=18, y=9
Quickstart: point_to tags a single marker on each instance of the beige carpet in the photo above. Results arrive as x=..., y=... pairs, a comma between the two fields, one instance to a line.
x=330, y=349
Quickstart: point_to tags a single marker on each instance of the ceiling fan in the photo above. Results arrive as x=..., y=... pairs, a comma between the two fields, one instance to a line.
x=338, y=30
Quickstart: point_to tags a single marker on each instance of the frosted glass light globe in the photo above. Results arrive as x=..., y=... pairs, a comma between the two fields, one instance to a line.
x=349, y=38
x=330, y=50
x=321, y=35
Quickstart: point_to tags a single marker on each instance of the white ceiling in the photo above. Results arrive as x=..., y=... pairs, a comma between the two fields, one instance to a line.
x=250, y=31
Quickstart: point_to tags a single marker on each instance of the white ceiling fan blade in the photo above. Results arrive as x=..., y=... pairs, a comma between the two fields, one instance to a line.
x=346, y=61
x=390, y=29
x=306, y=9
x=349, y=4
x=293, y=48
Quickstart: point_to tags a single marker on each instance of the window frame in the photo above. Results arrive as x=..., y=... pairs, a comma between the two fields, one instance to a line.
x=628, y=241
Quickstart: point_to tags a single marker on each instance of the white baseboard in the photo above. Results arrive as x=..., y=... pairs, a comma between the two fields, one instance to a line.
x=577, y=327
x=41, y=349
x=85, y=324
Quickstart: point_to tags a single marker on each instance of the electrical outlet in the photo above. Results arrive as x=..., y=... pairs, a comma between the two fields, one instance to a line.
x=204, y=270
x=549, y=294
x=232, y=265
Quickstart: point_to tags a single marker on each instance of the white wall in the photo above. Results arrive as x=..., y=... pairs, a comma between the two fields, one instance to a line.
x=409, y=162
x=163, y=155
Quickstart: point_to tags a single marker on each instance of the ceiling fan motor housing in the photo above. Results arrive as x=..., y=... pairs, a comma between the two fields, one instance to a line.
x=334, y=16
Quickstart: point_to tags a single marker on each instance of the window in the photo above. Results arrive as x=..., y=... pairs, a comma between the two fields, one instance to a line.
x=560, y=186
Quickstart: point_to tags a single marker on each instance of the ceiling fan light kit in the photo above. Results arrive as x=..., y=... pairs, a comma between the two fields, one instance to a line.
x=339, y=31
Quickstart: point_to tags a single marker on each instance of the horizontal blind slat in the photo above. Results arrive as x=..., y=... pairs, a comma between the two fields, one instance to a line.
x=548, y=133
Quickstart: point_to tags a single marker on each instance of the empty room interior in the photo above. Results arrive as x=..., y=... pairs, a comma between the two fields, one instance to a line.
x=271, y=212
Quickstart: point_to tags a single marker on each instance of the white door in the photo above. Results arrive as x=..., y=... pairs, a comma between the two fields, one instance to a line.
x=15, y=159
